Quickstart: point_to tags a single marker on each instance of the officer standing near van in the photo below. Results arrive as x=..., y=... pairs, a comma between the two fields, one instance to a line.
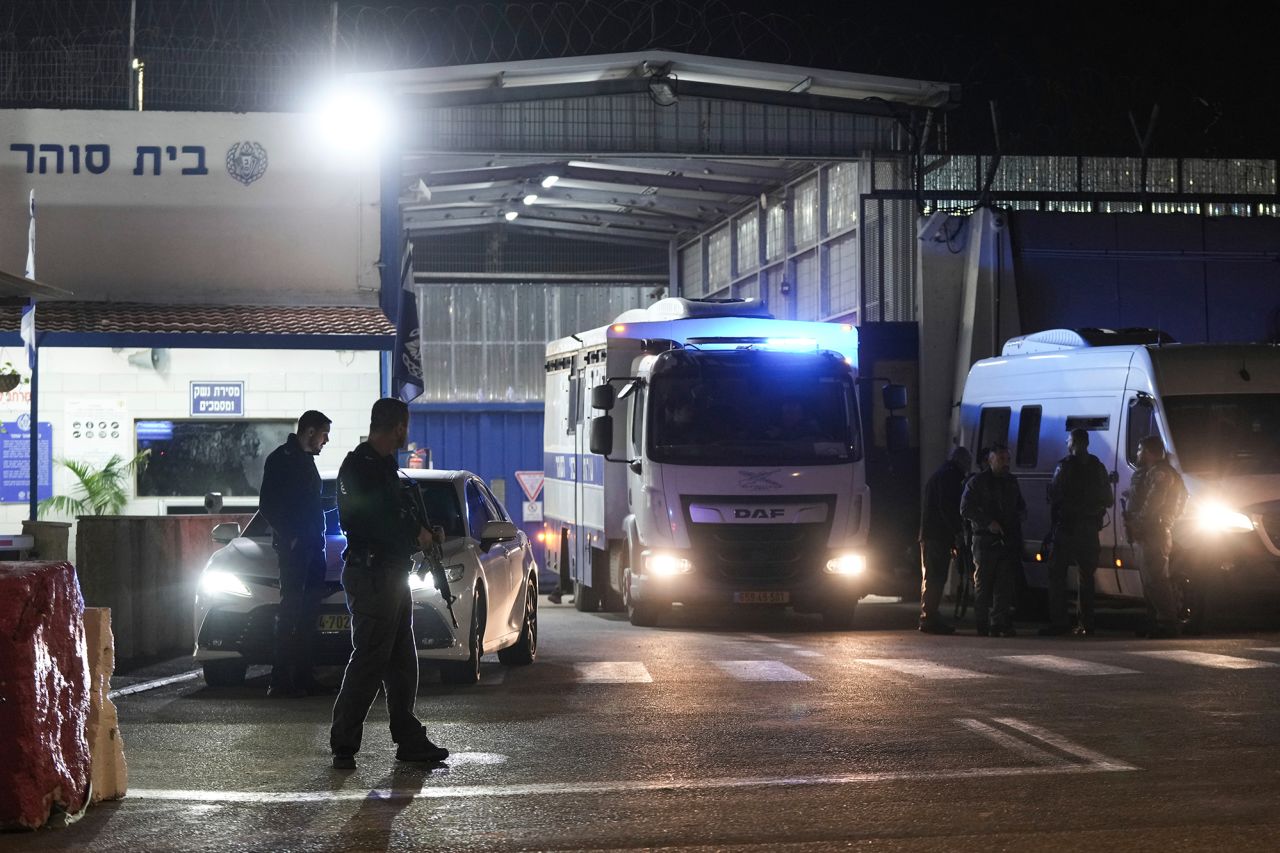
x=1155, y=501
x=993, y=505
x=941, y=534
x=383, y=532
x=1079, y=495
x=290, y=501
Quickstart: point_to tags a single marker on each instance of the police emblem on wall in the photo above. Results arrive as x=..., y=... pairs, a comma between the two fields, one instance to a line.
x=246, y=161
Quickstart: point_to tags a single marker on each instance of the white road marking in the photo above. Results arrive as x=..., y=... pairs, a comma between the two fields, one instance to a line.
x=1095, y=759
x=613, y=672
x=1066, y=666
x=153, y=684
x=761, y=670
x=787, y=646
x=1011, y=743
x=761, y=638
x=457, y=759
x=923, y=668
x=806, y=653
x=1268, y=649
x=1207, y=659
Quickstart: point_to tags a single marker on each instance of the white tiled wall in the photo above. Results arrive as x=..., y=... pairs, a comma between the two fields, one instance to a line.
x=279, y=384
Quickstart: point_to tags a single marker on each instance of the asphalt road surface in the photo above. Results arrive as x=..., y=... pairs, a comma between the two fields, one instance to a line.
x=756, y=733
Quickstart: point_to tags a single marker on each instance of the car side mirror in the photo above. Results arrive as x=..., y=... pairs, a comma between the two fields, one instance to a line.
x=226, y=531
x=602, y=397
x=602, y=435
x=497, y=531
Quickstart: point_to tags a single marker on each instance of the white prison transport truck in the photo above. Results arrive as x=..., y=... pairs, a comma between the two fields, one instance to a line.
x=1217, y=407
x=702, y=452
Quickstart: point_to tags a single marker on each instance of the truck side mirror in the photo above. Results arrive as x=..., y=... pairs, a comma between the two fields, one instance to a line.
x=894, y=396
x=602, y=397
x=602, y=434
x=897, y=433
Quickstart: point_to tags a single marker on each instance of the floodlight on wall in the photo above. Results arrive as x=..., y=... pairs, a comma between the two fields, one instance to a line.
x=550, y=181
x=530, y=199
x=662, y=83
x=352, y=119
x=510, y=215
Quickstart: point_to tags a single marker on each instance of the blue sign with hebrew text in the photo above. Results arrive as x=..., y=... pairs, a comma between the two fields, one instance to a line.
x=15, y=467
x=217, y=398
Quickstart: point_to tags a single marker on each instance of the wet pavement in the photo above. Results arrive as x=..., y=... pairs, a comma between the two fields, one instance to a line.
x=753, y=733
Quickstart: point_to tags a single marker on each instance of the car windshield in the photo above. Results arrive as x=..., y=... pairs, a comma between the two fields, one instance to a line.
x=756, y=408
x=439, y=496
x=1226, y=434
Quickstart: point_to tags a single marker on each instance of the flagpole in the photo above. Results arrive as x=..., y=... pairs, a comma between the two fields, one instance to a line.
x=31, y=341
x=34, y=483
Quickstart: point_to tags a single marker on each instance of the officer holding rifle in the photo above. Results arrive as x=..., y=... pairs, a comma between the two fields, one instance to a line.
x=384, y=527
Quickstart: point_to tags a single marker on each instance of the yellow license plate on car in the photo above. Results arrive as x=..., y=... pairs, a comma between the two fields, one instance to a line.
x=333, y=623
x=756, y=597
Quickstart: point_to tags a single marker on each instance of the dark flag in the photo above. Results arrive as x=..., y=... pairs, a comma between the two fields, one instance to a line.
x=407, y=369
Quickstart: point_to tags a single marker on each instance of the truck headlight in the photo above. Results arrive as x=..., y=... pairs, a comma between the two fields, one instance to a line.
x=666, y=565
x=1217, y=518
x=847, y=564
x=216, y=582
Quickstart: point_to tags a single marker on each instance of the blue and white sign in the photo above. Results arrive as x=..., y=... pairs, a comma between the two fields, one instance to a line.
x=15, y=451
x=217, y=398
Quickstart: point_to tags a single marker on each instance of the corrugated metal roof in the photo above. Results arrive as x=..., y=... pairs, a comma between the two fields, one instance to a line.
x=139, y=318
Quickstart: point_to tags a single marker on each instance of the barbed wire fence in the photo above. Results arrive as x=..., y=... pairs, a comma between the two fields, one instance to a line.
x=246, y=55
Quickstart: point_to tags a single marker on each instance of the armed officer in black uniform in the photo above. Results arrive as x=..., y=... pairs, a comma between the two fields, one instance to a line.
x=383, y=531
x=1079, y=496
x=993, y=506
x=290, y=502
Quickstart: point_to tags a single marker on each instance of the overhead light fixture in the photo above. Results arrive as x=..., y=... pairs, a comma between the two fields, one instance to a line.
x=663, y=91
x=352, y=120
x=530, y=198
x=550, y=181
x=510, y=215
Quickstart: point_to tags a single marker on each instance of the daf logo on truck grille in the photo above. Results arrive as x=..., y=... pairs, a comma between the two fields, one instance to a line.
x=775, y=512
x=758, y=481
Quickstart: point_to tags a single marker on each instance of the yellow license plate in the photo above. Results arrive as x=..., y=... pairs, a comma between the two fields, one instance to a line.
x=333, y=623
x=761, y=598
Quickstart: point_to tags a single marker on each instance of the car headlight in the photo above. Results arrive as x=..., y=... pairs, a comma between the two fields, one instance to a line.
x=847, y=564
x=1217, y=518
x=428, y=580
x=666, y=565
x=215, y=582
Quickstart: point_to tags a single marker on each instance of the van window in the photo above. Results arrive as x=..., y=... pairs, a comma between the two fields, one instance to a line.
x=1090, y=422
x=1142, y=423
x=994, y=427
x=637, y=422
x=575, y=405
x=1028, y=436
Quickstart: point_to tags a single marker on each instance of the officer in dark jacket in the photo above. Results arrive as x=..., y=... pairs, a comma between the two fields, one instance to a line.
x=1079, y=495
x=1155, y=501
x=941, y=534
x=993, y=505
x=383, y=531
x=290, y=501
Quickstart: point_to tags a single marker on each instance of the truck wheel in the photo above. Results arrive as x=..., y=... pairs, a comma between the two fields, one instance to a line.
x=468, y=671
x=641, y=614
x=526, y=648
x=839, y=618
x=225, y=673
x=585, y=598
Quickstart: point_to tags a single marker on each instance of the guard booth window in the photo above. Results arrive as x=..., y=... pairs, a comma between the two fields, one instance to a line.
x=993, y=428
x=1142, y=423
x=1028, y=436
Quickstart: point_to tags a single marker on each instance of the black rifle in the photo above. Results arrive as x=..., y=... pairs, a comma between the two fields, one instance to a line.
x=433, y=555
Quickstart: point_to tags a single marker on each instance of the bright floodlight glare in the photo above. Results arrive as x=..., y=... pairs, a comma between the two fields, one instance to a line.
x=550, y=181
x=510, y=215
x=791, y=343
x=847, y=564
x=1216, y=518
x=352, y=119
x=215, y=582
x=426, y=581
x=530, y=198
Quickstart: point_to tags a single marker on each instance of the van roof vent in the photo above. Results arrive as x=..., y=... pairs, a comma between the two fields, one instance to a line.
x=1052, y=340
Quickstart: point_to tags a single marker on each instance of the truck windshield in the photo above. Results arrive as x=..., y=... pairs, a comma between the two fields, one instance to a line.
x=753, y=408
x=1226, y=434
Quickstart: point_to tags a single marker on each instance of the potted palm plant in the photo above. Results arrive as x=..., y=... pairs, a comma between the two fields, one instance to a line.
x=99, y=491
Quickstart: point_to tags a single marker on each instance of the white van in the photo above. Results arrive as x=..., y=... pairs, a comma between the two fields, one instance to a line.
x=1217, y=407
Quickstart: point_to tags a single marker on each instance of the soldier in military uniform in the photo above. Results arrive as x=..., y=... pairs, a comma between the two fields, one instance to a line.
x=383, y=531
x=1155, y=501
x=993, y=506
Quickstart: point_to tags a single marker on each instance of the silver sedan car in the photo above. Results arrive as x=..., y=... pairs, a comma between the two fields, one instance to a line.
x=488, y=560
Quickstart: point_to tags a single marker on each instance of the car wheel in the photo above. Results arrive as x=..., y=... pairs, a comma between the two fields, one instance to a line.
x=526, y=648
x=839, y=618
x=641, y=614
x=468, y=671
x=585, y=598
x=225, y=673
